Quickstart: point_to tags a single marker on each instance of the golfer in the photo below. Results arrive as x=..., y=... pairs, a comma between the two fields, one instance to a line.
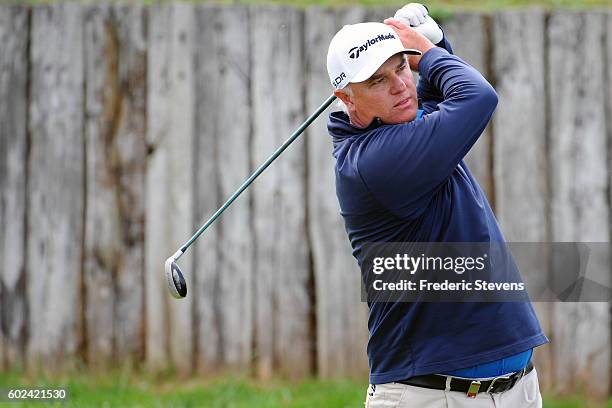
x=400, y=177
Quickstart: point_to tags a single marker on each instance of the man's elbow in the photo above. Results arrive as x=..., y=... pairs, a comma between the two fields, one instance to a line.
x=487, y=98
x=483, y=100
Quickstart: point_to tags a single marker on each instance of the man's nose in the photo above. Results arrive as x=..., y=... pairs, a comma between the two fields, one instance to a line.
x=397, y=84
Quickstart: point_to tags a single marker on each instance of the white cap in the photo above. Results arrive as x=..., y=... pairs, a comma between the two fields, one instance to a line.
x=358, y=50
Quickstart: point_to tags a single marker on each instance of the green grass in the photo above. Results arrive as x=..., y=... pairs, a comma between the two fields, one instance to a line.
x=125, y=389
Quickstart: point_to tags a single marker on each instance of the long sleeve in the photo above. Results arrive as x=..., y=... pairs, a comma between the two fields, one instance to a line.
x=403, y=165
x=429, y=96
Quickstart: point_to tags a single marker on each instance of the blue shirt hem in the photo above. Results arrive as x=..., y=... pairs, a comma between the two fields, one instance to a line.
x=439, y=367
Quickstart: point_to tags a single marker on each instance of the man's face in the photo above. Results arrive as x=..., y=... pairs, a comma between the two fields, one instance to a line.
x=389, y=94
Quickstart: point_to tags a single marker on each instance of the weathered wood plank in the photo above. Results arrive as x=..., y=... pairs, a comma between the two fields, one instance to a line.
x=102, y=247
x=579, y=183
x=116, y=150
x=284, y=333
x=208, y=318
x=519, y=158
x=13, y=158
x=341, y=316
x=55, y=203
x=224, y=278
x=519, y=155
x=170, y=104
x=467, y=33
x=131, y=145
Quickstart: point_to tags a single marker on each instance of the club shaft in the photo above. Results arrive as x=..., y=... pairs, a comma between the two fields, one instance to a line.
x=257, y=172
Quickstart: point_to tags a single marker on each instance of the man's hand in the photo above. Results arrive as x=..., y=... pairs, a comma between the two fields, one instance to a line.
x=415, y=15
x=410, y=39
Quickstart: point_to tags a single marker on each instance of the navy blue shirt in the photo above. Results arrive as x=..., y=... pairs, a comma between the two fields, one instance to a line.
x=409, y=183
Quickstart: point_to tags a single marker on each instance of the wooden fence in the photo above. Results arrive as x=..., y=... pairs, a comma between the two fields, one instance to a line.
x=122, y=128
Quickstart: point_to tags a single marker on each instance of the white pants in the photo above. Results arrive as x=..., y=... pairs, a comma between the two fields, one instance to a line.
x=524, y=394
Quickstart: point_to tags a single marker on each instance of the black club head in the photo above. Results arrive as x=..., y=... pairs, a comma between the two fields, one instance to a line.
x=175, y=279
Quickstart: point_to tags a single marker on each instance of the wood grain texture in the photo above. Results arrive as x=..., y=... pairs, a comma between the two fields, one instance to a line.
x=519, y=151
x=102, y=246
x=14, y=24
x=208, y=318
x=341, y=316
x=170, y=105
x=224, y=271
x=283, y=286
x=116, y=150
x=467, y=33
x=579, y=190
x=131, y=146
x=55, y=193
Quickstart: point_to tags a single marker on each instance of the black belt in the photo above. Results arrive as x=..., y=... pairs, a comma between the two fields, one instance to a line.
x=470, y=387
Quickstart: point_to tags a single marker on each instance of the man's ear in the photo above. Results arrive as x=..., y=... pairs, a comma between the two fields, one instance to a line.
x=344, y=97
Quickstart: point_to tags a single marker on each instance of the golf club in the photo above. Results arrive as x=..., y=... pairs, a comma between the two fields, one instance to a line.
x=174, y=275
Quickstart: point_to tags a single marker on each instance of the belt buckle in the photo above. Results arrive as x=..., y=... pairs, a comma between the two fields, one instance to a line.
x=504, y=377
x=474, y=388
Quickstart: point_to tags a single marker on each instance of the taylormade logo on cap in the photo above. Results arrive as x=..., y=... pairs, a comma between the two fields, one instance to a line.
x=358, y=50
x=355, y=51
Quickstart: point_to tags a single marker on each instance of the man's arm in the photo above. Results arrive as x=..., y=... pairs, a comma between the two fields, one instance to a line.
x=403, y=165
x=430, y=96
x=416, y=16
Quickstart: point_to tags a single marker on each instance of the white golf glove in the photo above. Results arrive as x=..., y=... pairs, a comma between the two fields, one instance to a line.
x=415, y=15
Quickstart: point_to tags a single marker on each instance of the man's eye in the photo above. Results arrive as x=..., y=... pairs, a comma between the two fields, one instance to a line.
x=402, y=67
x=376, y=81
